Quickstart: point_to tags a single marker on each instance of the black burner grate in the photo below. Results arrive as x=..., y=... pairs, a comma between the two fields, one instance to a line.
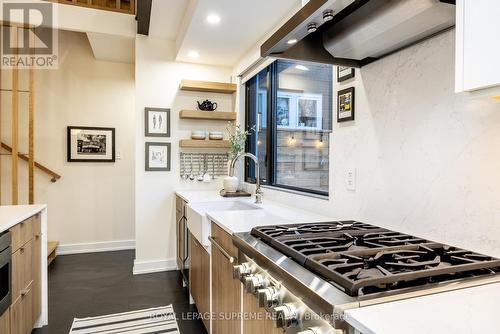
x=364, y=259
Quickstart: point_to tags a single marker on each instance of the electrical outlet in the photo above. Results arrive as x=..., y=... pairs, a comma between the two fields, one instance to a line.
x=350, y=179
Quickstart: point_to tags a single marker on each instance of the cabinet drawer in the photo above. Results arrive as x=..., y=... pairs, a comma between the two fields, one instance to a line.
x=225, y=240
x=5, y=322
x=226, y=291
x=21, y=313
x=22, y=270
x=24, y=232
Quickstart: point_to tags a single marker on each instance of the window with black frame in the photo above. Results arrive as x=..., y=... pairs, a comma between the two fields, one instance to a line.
x=290, y=105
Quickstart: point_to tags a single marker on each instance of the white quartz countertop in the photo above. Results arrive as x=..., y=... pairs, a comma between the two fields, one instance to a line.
x=270, y=212
x=465, y=311
x=11, y=215
x=191, y=196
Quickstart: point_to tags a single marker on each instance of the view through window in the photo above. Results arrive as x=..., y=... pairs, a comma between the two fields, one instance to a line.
x=290, y=103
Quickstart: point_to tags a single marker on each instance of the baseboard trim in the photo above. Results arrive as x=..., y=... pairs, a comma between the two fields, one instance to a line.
x=148, y=267
x=95, y=247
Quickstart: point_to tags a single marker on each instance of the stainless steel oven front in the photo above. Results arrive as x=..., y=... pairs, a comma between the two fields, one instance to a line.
x=5, y=272
x=288, y=310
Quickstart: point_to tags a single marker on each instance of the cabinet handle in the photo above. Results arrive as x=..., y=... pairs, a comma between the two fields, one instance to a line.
x=222, y=250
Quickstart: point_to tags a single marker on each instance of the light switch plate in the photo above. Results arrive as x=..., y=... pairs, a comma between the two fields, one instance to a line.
x=350, y=179
x=118, y=155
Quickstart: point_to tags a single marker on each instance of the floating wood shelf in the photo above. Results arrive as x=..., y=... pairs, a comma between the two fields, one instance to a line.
x=208, y=86
x=190, y=143
x=211, y=115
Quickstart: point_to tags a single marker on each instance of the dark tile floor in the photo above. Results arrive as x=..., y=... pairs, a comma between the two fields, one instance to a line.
x=89, y=285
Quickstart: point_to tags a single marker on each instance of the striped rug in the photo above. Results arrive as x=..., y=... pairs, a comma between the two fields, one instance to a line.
x=154, y=320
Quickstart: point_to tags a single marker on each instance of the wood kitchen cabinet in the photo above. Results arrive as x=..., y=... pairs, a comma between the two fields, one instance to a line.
x=477, y=48
x=226, y=291
x=199, y=278
x=5, y=322
x=180, y=230
x=26, y=276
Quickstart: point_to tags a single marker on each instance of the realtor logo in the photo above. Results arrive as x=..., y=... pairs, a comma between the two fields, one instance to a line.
x=28, y=35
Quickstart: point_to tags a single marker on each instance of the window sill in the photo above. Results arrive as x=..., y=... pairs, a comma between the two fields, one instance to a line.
x=295, y=192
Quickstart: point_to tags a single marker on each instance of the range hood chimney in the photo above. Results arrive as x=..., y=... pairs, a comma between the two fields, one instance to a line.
x=357, y=32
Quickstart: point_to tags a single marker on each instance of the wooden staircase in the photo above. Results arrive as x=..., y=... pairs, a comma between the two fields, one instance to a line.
x=12, y=93
x=51, y=251
x=121, y=6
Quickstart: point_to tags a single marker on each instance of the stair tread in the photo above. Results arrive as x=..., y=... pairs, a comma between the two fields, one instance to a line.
x=51, y=246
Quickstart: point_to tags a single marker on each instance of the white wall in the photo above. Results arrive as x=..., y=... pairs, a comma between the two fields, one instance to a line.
x=427, y=159
x=92, y=202
x=157, y=85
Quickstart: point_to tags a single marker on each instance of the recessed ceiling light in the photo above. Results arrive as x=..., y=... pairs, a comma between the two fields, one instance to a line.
x=213, y=19
x=292, y=41
x=193, y=54
x=302, y=68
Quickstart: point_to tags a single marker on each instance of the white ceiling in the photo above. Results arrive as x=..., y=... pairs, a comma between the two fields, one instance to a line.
x=243, y=24
x=166, y=18
x=112, y=48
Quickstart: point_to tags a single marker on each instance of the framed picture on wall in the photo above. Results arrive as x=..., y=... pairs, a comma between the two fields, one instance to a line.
x=90, y=144
x=345, y=105
x=158, y=157
x=157, y=122
x=344, y=73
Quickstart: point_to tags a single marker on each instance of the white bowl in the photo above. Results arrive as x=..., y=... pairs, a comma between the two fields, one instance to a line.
x=216, y=133
x=214, y=137
x=198, y=137
x=199, y=133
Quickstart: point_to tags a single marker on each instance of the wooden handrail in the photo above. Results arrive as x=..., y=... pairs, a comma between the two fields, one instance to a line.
x=41, y=167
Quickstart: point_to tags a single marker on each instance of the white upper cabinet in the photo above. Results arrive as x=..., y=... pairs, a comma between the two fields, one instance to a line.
x=477, y=45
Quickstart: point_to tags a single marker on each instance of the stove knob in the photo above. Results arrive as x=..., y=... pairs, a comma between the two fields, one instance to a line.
x=286, y=316
x=246, y=282
x=241, y=270
x=255, y=283
x=268, y=297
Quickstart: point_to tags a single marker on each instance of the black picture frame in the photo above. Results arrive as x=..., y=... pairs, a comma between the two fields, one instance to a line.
x=344, y=77
x=342, y=93
x=148, y=167
x=148, y=132
x=70, y=148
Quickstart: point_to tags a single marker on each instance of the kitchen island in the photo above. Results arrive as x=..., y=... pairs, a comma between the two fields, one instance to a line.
x=469, y=307
x=27, y=225
x=464, y=311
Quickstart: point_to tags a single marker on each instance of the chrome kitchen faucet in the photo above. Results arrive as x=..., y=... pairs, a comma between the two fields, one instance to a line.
x=258, y=191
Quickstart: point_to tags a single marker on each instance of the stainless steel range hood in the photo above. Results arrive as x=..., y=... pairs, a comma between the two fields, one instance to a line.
x=358, y=32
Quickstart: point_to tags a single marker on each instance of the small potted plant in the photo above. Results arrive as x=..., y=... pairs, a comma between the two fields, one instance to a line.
x=237, y=141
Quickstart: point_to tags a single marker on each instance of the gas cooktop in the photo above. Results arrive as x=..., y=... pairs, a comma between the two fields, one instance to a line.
x=363, y=259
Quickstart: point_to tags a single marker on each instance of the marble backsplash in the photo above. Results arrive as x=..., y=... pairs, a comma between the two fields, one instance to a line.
x=427, y=159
